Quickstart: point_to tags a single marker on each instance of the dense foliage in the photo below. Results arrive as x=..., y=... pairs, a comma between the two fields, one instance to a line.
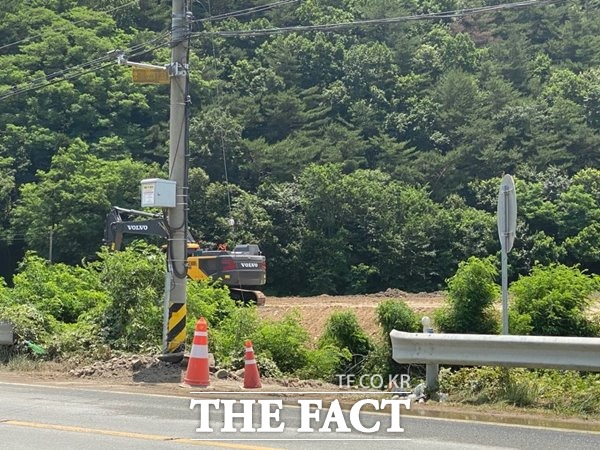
x=553, y=301
x=359, y=159
x=469, y=305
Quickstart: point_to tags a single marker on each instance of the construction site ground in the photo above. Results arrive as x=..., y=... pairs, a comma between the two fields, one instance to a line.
x=314, y=311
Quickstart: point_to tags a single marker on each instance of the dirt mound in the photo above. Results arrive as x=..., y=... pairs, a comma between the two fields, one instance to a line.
x=143, y=368
x=148, y=369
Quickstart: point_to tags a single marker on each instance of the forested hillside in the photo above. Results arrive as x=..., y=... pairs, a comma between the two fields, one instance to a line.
x=359, y=158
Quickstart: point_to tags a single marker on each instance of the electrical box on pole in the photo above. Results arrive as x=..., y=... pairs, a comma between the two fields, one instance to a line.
x=157, y=193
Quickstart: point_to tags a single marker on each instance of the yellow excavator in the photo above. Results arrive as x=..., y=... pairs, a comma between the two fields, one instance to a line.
x=242, y=269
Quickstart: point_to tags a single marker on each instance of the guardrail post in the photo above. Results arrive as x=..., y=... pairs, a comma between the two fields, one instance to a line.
x=431, y=370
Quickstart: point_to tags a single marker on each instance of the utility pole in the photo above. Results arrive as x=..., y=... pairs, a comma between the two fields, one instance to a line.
x=51, y=244
x=178, y=168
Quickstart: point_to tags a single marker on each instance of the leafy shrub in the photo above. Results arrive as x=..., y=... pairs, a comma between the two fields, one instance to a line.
x=77, y=339
x=267, y=367
x=227, y=340
x=395, y=314
x=285, y=342
x=324, y=362
x=62, y=291
x=552, y=301
x=564, y=391
x=343, y=331
x=208, y=300
x=134, y=282
x=473, y=385
x=392, y=314
x=28, y=322
x=379, y=361
x=519, y=324
x=469, y=304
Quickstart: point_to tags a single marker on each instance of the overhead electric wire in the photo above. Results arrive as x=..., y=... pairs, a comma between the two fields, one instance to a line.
x=76, y=71
x=382, y=21
x=244, y=12
x=107, y=11
x=221, y=131
x=96, y=64
x=106, y=57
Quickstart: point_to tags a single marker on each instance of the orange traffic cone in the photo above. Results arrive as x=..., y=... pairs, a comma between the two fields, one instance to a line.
x=197, y=373
x=251, y=375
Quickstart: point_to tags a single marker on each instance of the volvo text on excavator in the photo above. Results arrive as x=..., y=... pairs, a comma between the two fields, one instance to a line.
x=243, y=269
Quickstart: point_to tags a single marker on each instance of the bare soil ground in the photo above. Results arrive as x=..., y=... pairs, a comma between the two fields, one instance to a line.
x=314, y=311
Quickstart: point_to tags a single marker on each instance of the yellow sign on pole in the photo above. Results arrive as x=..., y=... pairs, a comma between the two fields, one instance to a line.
x=150, y=75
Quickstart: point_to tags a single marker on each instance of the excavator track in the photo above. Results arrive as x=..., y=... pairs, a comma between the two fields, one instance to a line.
x=247, y=296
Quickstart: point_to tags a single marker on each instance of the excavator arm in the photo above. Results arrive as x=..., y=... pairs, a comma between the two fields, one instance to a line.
x=116, y=227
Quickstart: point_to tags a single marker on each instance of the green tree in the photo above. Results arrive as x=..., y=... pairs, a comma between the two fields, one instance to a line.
x=72, y=199
x=343, y=332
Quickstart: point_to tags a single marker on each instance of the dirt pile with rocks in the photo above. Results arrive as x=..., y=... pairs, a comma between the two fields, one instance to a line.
x=152, y=370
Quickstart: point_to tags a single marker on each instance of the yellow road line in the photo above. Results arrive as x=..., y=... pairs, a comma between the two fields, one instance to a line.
x=127, y=434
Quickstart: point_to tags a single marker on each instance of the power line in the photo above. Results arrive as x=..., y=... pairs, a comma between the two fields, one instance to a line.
x=77, y=71
x=244, y=12
x=107, y=11
x=96, y=64
x=106, y=57
x=345, y=25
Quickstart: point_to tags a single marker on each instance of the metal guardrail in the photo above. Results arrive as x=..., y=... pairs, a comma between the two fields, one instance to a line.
x=7, y=336
x=571, y=353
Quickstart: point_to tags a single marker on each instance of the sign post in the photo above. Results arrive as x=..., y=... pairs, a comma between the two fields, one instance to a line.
x=507, y=226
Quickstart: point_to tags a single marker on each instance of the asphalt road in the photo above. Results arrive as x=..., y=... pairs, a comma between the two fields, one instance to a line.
x=51, y=417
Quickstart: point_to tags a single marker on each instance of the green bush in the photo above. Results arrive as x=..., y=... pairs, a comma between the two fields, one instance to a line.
x=323, y=363
x=392, y=314
x=226, y=341
x=552, y=301
x=473, y=385
x=134, y=282
x=343, y=331
x=77, y=339
x=267, y=367
x=208, y=300
x=379, y=361
x=59, y=290
x=469, y=304
x=285, y=342
x=28, y=323
x=563, y=391
x=395, y=314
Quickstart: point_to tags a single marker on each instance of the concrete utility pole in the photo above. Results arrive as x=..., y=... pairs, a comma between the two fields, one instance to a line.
x=178, y=167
